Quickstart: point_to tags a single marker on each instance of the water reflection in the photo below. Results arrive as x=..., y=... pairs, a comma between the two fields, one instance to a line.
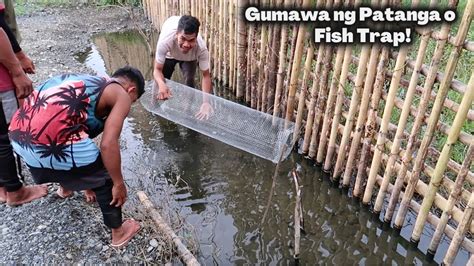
x=223, y=192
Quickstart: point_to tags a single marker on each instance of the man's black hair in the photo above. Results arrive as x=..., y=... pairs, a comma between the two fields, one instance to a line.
x=189, y=24
x=134, y=75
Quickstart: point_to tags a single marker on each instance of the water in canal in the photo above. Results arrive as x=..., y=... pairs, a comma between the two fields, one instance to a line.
x=223, y=192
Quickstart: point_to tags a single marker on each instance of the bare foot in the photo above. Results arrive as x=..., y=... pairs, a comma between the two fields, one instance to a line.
x=89, y=195
x=123, y=234
x=64, y=193
x=3, y=195
x=26, y=194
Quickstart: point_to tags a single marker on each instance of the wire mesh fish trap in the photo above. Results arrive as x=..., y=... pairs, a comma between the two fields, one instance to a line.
x=247, y=129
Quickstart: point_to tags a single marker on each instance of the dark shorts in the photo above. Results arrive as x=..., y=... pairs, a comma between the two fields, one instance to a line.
x=87, y=177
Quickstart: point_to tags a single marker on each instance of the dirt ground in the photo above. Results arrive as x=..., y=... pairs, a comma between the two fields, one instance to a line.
x=53, y=230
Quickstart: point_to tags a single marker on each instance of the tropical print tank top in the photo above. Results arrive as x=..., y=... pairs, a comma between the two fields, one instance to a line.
x=55, y=125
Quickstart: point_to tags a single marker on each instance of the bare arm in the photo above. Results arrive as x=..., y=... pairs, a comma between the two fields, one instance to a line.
x=206, y=83
x=23, y=84
x=163, y=90
x=116, y=98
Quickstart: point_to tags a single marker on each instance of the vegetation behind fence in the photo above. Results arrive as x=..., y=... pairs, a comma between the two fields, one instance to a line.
x=395, y=125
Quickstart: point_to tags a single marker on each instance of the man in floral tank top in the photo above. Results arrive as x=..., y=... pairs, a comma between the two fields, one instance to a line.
x=53, y=131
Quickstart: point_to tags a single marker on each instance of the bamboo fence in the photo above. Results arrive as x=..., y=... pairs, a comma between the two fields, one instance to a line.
x=395, y=125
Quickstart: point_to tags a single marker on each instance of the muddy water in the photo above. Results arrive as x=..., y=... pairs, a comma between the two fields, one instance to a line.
x=223, y=192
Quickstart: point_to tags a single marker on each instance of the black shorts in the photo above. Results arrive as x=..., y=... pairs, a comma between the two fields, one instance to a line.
x=86, y=177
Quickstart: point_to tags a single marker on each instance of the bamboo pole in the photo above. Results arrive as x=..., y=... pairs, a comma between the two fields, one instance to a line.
x=321, y=101
x=427, y=88
x=232, y=46
x=302, y=96
x=330, y=104
x=435, y=113
x=220, y=48
x=361, y=119
x=265, y=75
x=236, y=36
x=355, y=100
x=433, y=219
x=394, y=86
x=298, y=215
x=435, y=181
x=453, y=198
x=314, y=90
x=313, y=99
x=241, y=48
x=212, y=39
x=204, y=14
x=302, y=31
x=216, y=36
x=253, y=74
x=460, y=232
x=183, y=252
x=248, y=80
x=403, y=118
x=273, y=66
x=286, y=85
x=281, y=65
x=338, y=111
x=261, y=64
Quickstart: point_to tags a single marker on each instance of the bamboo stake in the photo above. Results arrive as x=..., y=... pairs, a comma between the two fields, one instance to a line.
x=453, y=198
x=313, y=99
x=281, y=65
x=204, y=14
x=394, y=85
x=435, y=181
x=261, y=64
x=427, y=88
x=232, y=45
x=183, y=252
x=460, y=232
x=248, y=86
x=433, y=219
x=361, y=119
x=254, y=69
x=227, y=44
x=321, y=101
x=355, y=99
x=302, y=97
x=241, y=48
x=216, y=36
x=314, y=90
x=435, y=113
x=221, y=34
x=403, y=119
x=236, y=36
x=338, y=111
x=330, y=104
x=284, y=100
x=273, y=67
x=265, y=75
x=212, y=40
x=302, y=30
x=298, y=215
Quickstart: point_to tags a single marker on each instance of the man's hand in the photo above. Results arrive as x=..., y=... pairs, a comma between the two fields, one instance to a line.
x=26, y=63
x=205, y=111
x=163, y=92
x=119, y=195
x=23, y=84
